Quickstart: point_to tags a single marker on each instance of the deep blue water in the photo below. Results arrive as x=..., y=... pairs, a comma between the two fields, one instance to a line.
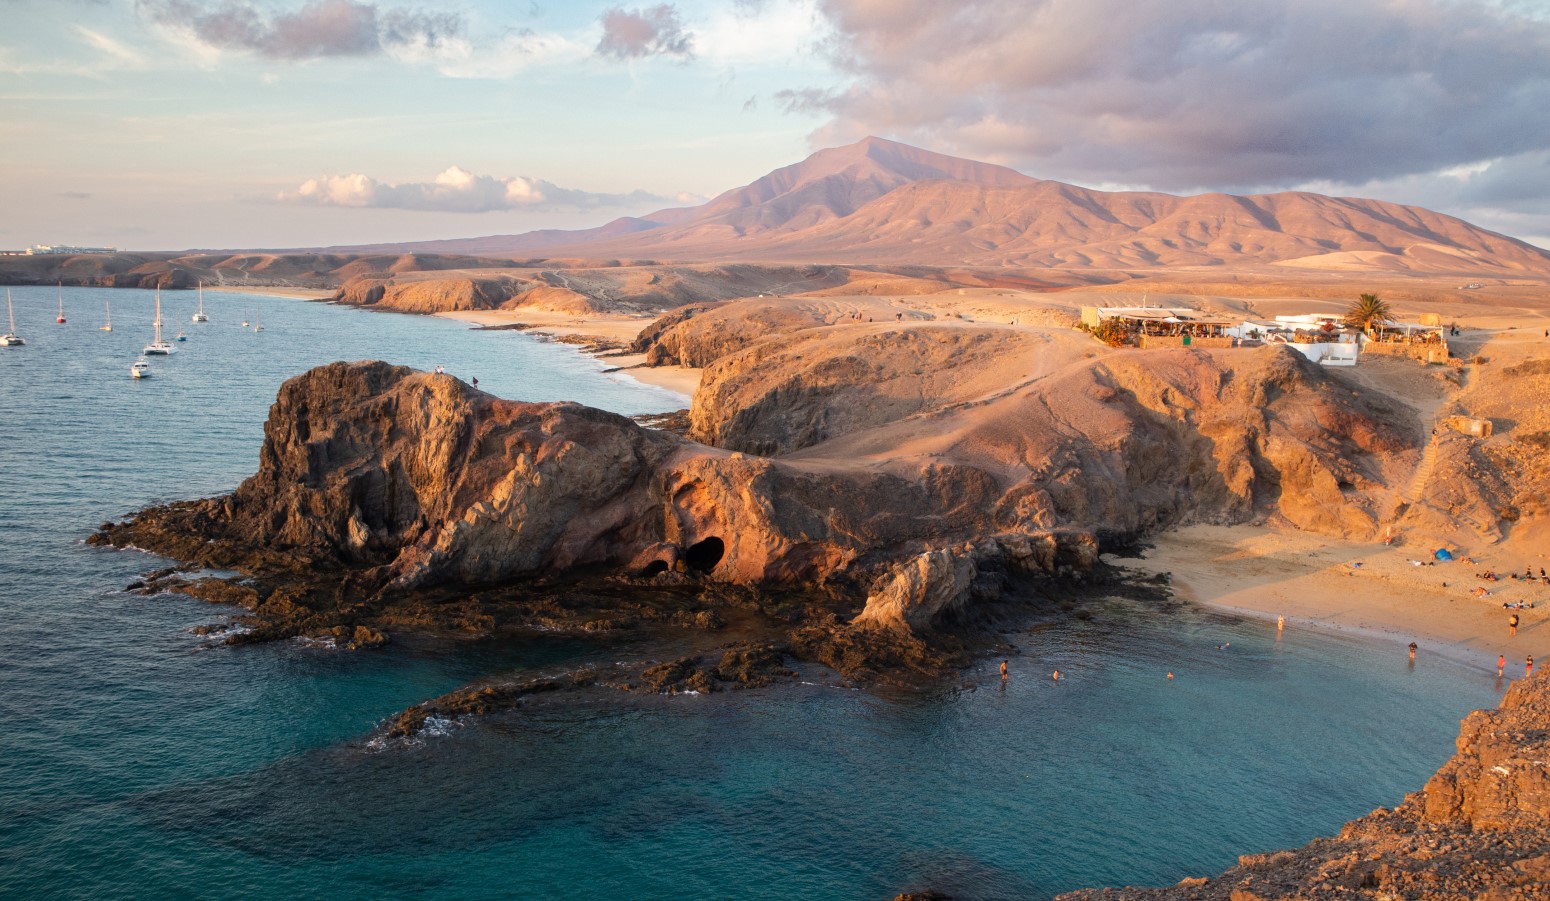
x=138, y=762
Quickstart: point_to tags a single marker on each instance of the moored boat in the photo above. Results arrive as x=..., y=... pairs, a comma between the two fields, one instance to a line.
x=10, y=338
x=160, y=345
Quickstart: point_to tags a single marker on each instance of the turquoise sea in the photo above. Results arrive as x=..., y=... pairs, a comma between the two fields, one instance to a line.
x=139, y=761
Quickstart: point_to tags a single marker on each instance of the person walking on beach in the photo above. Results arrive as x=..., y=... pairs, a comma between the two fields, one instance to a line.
x=1280, y=624
x=1003, y=671
x=1412, y=652
x=1512, y=625
x=1501, y=664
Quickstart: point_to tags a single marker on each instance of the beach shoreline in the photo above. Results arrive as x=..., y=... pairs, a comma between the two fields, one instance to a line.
x=1358, y=588
x=274, y=291
x=597, y=335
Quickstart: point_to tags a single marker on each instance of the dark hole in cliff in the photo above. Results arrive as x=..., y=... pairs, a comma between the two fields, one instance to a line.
x=702, y=556
x=654, y=567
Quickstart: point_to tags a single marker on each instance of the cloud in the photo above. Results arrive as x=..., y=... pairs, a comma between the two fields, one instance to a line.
x=316, y=29
x=637, y=33
x=1184, y=94
x=457, y=190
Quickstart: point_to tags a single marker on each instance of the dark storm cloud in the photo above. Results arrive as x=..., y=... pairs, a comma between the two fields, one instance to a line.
x=1190, y=93
x=320, y=28
x=636, y=33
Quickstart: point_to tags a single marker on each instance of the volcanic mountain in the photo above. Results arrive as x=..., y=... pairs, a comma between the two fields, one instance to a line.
x=881, y=202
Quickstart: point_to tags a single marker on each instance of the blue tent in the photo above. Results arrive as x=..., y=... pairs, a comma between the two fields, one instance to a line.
x=1443, y=553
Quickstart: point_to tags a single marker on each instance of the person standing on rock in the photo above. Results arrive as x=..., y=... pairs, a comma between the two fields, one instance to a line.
x=1512, y=625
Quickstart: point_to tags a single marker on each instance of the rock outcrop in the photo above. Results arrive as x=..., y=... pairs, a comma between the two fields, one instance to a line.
x=403, y=481
x=1479, y=831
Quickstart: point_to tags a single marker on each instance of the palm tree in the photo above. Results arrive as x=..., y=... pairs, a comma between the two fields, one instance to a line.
x=1367, y=311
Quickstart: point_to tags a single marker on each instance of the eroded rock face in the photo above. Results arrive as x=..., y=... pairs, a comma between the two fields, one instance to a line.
x=415, y=480
x=1479, y=830
x=916, y=592
x=1500, y=777
x=428, y=295
x=1120, y=441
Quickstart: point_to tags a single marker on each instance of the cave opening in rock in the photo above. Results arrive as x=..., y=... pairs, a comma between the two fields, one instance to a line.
x=702, y=556
x=654, y=567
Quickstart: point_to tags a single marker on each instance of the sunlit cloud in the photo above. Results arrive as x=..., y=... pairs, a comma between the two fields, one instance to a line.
x=1188, y=94
x=638, y=33
x=316, y=29
x=457, y=190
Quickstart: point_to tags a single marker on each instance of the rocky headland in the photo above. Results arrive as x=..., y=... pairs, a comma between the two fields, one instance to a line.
x=890, y=474
x=1478, y=831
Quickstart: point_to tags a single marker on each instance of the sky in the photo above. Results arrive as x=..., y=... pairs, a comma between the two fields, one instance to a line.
x=176, y=124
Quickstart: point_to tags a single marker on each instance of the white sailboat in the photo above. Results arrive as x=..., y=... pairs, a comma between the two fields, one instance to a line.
x=140, y=369
x=10, y=338
x=159, y=346
x=199, y=315
x=61, y=319
x=107, y=325
x=244, y=317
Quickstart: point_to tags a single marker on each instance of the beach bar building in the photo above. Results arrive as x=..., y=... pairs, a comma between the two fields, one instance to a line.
x=1154, y=327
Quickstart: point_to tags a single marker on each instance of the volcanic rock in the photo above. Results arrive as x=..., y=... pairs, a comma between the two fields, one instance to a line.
x=1479, y=830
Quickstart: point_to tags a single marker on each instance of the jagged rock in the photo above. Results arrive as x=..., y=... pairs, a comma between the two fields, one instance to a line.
x=1500, y=777
x=1480, y=831
x=919, y=590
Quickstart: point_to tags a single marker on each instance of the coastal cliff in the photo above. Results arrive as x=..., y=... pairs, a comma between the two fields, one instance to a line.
x=378, y=481
x=1478, y=831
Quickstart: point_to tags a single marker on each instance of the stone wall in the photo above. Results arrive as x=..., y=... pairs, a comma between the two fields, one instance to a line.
x=1424, y=353
x=1151, y=342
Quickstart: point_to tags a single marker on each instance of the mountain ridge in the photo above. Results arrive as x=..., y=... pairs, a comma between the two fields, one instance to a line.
x=879, y=201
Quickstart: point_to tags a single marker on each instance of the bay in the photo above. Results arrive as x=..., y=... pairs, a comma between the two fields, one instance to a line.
x=138, y=761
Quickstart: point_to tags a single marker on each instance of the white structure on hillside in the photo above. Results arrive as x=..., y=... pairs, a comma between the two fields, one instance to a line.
x=44, y=249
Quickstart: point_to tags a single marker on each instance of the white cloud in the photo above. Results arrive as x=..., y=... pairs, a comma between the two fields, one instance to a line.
x=760, y=34
x=458, y=190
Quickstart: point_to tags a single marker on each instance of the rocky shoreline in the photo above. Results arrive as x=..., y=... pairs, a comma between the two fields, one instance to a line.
x=1478, y=831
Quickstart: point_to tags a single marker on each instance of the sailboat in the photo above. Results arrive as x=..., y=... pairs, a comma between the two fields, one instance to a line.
x=107, y=325
x=159, y=346
x=10, y=338
x=258, y=324
x=200, y=316
x=61, y=319
x=140, y=369
x=244, y=317
x=181, y=336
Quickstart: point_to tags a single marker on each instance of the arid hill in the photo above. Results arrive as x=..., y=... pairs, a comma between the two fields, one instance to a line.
x=882, y=203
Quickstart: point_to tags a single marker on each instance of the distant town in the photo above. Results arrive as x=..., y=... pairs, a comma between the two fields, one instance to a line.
x=42, y=249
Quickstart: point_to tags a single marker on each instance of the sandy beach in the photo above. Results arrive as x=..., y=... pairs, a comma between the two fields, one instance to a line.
x=605, y=330
x=271, y=291
x=1363, y=588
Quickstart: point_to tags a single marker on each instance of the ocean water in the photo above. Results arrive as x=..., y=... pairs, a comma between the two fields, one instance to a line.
x=138, y=761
